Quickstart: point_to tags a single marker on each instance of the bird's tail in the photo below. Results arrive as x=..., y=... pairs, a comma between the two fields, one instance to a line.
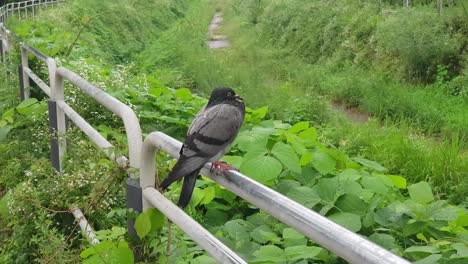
x=187, y=188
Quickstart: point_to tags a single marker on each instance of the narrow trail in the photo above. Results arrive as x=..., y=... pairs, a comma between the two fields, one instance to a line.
x=217, y=41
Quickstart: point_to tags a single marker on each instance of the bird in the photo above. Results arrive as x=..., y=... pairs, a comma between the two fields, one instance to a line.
x=209, y=137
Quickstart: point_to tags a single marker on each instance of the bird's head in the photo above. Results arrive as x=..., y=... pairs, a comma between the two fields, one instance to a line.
x=224, y=95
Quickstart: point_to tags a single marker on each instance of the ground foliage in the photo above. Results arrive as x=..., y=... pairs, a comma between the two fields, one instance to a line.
x=397, y=211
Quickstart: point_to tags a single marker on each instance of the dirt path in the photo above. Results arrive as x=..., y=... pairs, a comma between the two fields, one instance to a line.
x=353, y=114
x=217, y=41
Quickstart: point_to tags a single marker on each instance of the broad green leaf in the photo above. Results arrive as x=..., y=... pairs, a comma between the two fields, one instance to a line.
x=287, y=156
x=351, y=187
x=385, y=240
x=398, y=181
x=117, y=232
x=323, y=163
x=4, y=132
x=247, y=140
x=462, y=219
x=270, y=253
x=349, y=174
x=101, y=247
x=26, y=103
x=296, y=143
x=209, y=195
x=425, y=249
x=308, y=176
x=142, y=225
x=301, y=252
x=260, y=112
x=392, y=215
x=286, y=186
x=375, y=184
x=264, y=234
x=421, y=192
x=238, y=229
x=442, y=211
x=351, y=203
x=31, y=107
x=197, y=196
x=431, y=259
x=369, y=163
x=234, y=161
x=347, y=220
x=304, y=195
x=183, y=94
x=263, y=168
x=462, y=250
x=8, y=115
x=306, y=158
x=309, y=135
x=214, y=217
x=298, y=127
x=225, y=194
x=156, y=219
x=293, y=238
x=329, y=189
x=114, y=255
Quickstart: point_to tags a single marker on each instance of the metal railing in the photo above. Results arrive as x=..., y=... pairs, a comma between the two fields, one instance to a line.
x=346, y=244
x=59, y=109
x=28, y=9
x=24, y=9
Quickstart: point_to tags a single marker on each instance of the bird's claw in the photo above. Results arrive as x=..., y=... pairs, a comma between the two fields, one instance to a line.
x=221, y=167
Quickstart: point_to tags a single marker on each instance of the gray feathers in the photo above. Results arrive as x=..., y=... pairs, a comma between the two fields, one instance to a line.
x=210, y=135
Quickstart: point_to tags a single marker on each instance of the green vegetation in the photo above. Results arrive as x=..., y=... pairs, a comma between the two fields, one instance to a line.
x=388, y=179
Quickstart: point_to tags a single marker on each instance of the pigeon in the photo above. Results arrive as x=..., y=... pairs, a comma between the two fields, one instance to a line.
x=210, y=135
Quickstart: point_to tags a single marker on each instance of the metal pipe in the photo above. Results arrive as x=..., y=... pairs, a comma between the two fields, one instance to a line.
x=130, y=120
x=25, y=64
x=199, y=234
x=92, y=133
x=346, y=244
x=35, y=52
x=84, y=225
x=37, y=80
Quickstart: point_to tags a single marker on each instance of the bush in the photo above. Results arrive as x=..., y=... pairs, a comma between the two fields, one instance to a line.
x=420, y=41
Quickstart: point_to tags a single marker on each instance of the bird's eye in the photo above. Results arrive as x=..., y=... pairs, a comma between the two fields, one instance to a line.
x=229, y=94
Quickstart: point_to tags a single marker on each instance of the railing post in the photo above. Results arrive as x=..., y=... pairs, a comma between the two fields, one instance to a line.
x=134, y=201
x=23, y=77
x=1, y=45
x=57, y=125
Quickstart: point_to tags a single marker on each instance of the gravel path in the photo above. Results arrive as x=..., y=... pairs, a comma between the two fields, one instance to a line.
x=217, y=41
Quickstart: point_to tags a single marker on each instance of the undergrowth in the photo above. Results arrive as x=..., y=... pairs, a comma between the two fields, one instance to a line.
x=308, y=154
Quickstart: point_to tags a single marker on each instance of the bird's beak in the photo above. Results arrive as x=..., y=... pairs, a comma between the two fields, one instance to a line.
x=238, y=98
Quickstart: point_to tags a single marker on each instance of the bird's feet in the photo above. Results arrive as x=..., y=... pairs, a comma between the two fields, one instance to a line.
x=221, y=167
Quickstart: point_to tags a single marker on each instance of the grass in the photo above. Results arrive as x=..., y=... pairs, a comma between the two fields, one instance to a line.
x=423, y=135
x=293, y=89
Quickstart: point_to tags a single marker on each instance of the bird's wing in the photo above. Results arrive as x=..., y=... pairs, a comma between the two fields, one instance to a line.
x=213, y=130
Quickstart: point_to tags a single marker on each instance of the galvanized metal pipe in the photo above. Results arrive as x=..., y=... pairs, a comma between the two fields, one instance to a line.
x=346, y=244
x=197, y=232
x=44, y=87
x=84, y=225
x=130, y=120
x=92, y=133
